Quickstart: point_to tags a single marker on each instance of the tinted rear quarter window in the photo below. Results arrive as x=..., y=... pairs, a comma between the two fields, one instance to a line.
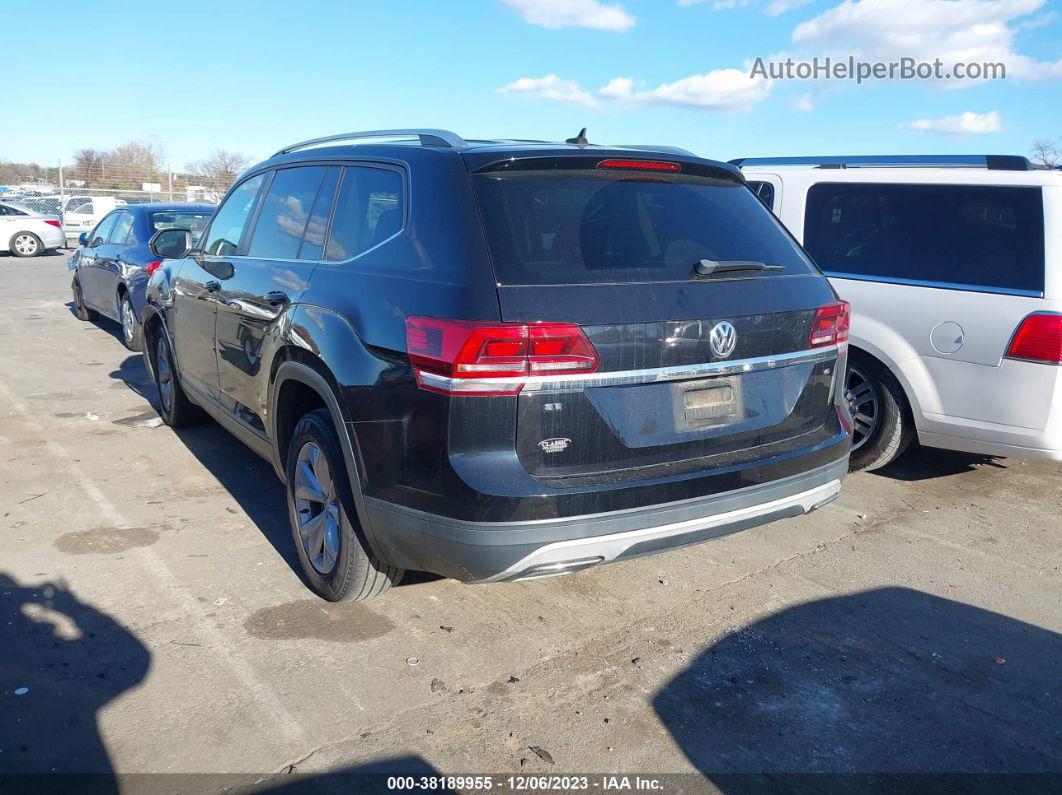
x=370, y=208
x=945, y=235
x=587, y=226
x=763, y=190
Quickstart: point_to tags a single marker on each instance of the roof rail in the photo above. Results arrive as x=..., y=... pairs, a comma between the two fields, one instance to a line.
x=427, y=137
x=991, y=162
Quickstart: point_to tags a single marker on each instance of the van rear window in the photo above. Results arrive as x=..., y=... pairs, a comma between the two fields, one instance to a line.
x=967, y=236
x=591, y=227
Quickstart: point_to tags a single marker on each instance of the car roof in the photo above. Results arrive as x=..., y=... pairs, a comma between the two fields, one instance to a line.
x=155, y=207
x=409, y=144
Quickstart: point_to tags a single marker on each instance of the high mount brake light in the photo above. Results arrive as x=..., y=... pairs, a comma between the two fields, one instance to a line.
x=641, y=165
x=1038, y=339
x=462, y=357
x=831, y=325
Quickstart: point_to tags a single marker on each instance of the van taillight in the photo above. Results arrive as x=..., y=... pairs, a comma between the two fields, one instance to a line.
x=831, y=325
x=463, y=357
x=1038, y=339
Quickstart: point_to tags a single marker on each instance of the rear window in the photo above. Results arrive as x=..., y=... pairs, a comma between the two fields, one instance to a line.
x=969, y=236
x=601, y=227
x=181, y=219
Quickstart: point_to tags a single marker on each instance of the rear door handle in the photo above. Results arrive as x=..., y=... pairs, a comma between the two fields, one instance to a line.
x=213, y=286
x=276, y=297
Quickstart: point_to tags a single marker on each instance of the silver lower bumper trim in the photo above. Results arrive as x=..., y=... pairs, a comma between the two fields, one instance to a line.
x=564, y=556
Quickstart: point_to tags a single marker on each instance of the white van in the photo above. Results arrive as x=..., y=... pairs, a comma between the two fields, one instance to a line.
x=953, y=267
x=82, y=213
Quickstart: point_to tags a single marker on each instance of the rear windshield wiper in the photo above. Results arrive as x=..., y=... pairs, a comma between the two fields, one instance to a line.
x=711, y=267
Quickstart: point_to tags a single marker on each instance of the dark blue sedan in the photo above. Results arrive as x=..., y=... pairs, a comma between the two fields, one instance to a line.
x=112, y=264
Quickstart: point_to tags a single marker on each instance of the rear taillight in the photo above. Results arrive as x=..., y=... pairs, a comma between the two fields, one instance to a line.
x=460, y=357
x=641, y=165
x=831, y=325
x=1038, y=339
x=151, y=267
x=56, y=224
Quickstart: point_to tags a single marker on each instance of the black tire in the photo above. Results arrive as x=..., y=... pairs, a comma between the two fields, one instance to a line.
x=355, y=572
x=132, y=333
x=30, y=244
x=893, y=429
x=175, y=408
x=80, y=310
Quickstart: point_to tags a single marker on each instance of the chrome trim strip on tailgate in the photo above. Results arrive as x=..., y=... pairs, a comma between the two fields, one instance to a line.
x=554, y=383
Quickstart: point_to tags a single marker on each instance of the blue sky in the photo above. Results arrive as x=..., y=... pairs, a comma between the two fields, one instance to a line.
x=252, y=76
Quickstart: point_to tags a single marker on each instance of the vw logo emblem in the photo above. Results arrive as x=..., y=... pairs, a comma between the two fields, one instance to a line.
x=723, y=339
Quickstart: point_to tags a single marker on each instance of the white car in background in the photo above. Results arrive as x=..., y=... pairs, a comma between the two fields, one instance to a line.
x=82, y=213
x=27, y=233
x=953, y=268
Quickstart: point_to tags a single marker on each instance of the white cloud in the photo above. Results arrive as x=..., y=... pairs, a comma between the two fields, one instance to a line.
x=969, y=31
x=773, y=8
x=720, y=89
x=549, y=87
x=776, y=7
x=573, y=14
x=962, y=124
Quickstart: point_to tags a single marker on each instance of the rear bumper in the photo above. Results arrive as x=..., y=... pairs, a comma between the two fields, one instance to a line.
x=494, y=551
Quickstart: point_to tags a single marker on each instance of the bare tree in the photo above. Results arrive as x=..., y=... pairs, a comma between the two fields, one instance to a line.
x=1046, y=152
x=219, y=170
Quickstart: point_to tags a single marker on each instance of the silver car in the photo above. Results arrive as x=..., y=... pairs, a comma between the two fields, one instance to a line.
x=26, y=233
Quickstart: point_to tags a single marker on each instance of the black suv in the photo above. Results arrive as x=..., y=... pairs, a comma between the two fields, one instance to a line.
x=503, y=360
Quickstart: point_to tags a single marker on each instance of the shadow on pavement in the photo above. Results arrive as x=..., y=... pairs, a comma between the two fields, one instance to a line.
x=881, y=683
x=61, y=662
x=371, y=777
x=926, y=463
x=243, y=473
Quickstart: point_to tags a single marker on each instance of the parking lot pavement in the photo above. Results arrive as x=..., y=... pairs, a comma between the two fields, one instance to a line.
x=152, y=619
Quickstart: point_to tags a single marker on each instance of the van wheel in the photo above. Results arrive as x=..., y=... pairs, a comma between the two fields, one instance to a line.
x=131, y=332
x=882, y=426
x=26, y=244
x=175, y=408
x=334, y=553
x=80, y=310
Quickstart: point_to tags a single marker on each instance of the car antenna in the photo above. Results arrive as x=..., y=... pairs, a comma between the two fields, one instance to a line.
x=580, y=139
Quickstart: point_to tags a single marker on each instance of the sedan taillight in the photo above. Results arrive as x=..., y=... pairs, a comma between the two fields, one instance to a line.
x=151, y=267
x=462, y=357
x=52, y=222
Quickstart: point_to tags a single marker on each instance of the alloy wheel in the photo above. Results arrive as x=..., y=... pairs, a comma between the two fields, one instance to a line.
x=316, y=508
x=862, y=396
x=164, y=374
x=26, y=245
x=128, y=320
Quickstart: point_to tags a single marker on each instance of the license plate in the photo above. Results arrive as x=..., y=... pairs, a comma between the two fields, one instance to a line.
x=712, y=401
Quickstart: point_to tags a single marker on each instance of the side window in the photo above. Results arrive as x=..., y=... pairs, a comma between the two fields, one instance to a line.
x=285, y=211
x=223, y=237
x=370, y=208
x=122, y=227
x=103, y=228
x=3, y=210
x=314, y=238
x=968, y=235
x=764, y=191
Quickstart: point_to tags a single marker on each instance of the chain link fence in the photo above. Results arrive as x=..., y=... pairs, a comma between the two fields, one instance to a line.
x=82, y=198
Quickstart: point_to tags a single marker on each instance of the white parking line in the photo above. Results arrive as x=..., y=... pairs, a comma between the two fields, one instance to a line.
x=257, y=689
